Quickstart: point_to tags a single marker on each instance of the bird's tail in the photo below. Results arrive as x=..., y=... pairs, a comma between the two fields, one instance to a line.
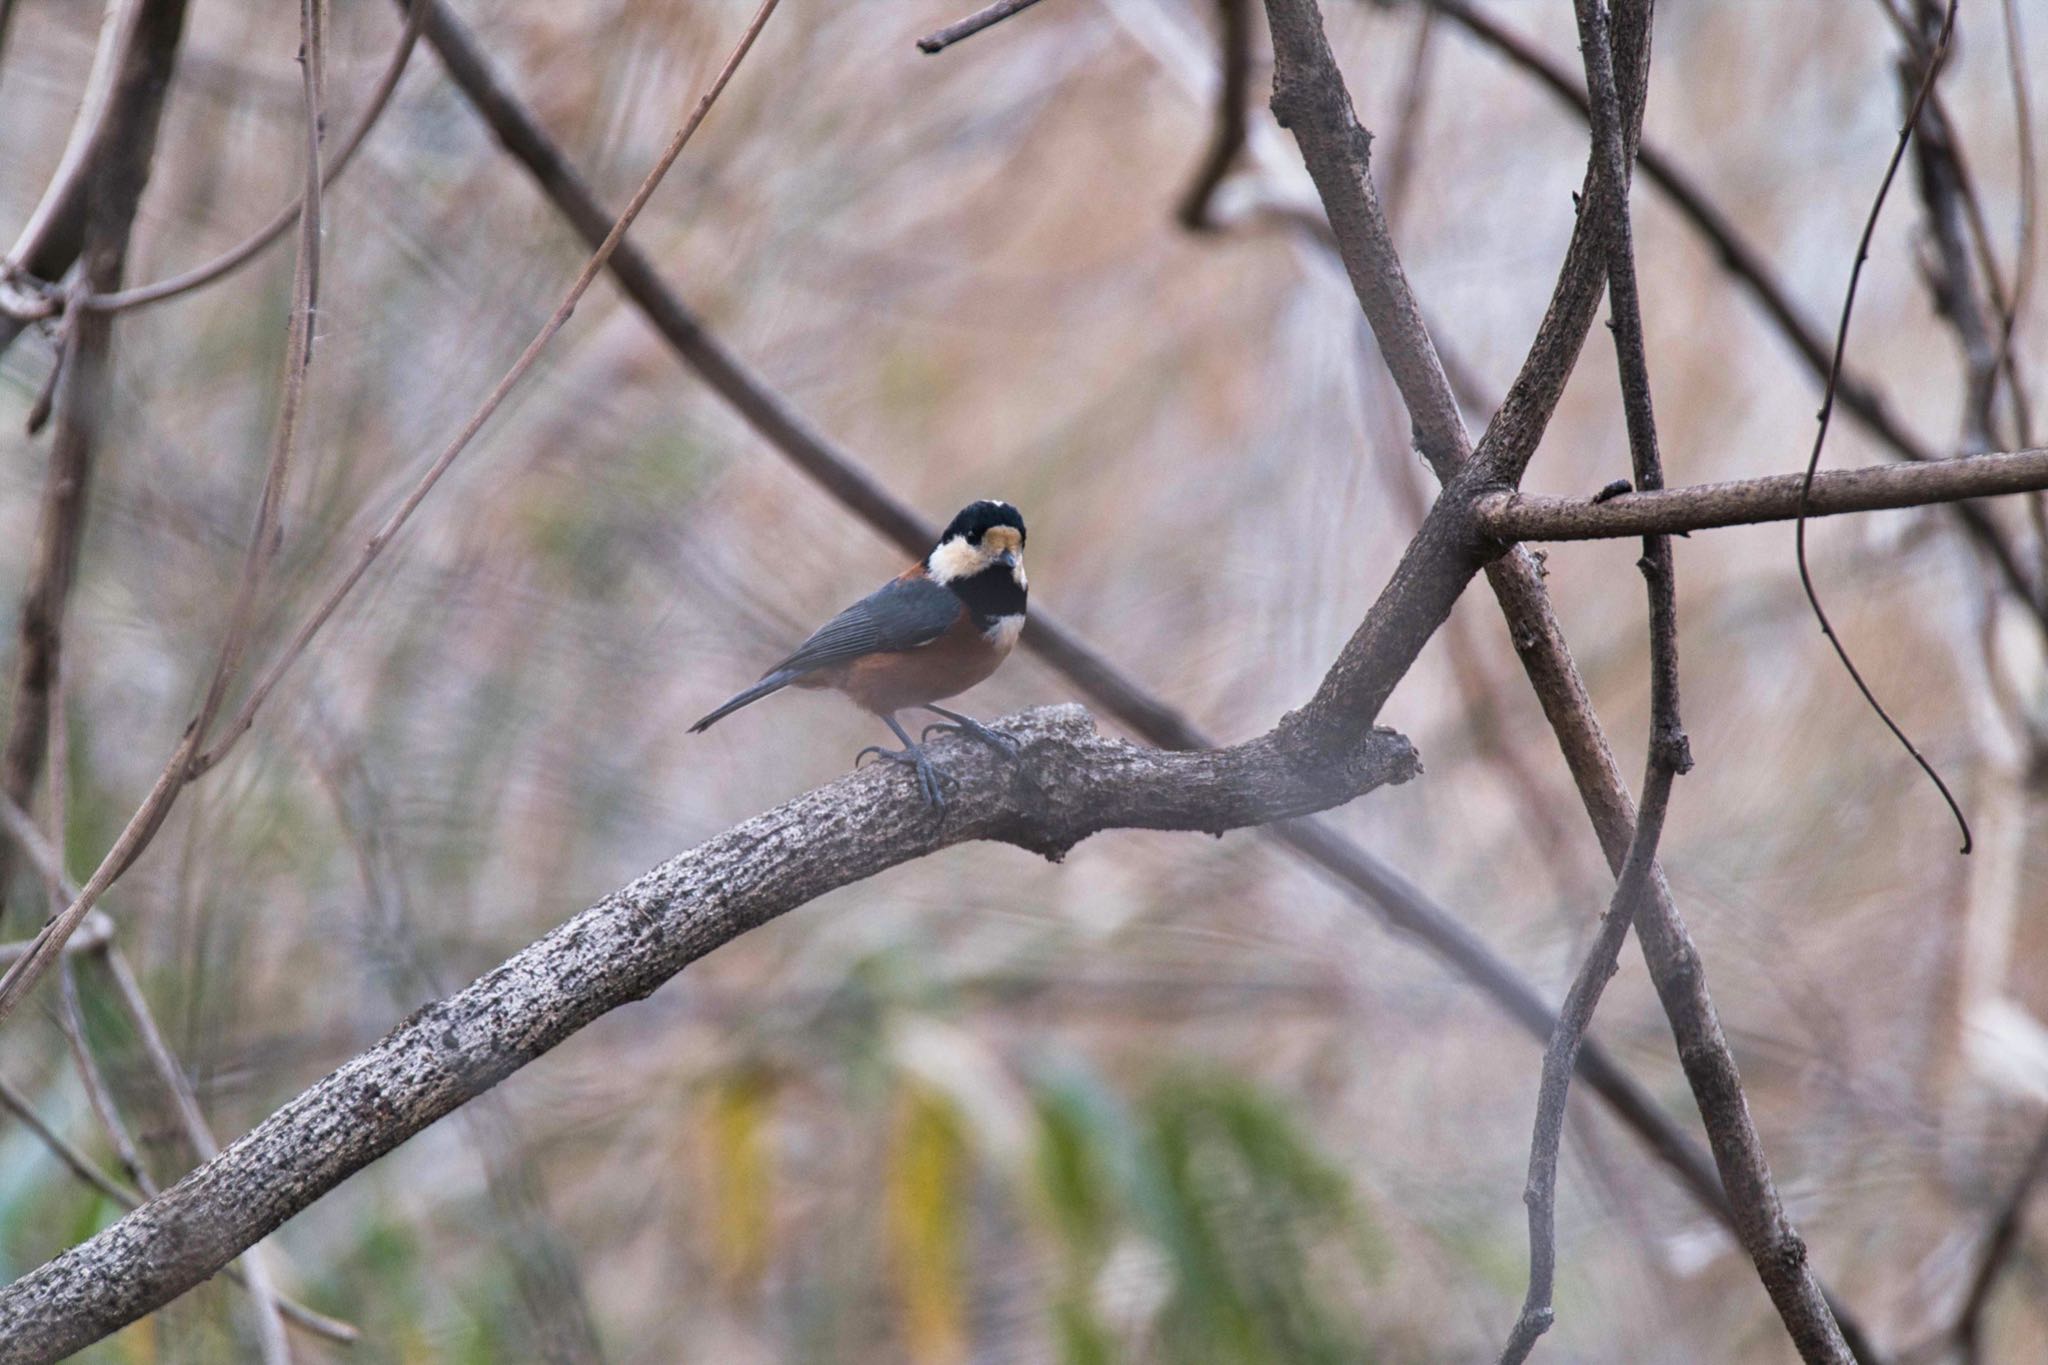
x=773, y=682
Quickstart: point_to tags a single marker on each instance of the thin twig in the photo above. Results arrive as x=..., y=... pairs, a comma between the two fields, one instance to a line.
x=198, y=1135
x=2000, y=1242
x=396, y=521
x=1407, y=135
x=1234, y=48
x=60, y=348
x=99, y=1095
x=1669, y=754
x=1631, y=892
x=60, y=213
x=91, y=936
x=70, y=1014
x=227, y=262
x=1952, y=277
x=971, y=25
x=2024, y=262
x=1934, y=64
x=74, y=1159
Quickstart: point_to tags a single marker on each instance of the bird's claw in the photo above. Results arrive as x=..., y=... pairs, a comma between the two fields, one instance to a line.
x=1002, y=741
x=931, y=783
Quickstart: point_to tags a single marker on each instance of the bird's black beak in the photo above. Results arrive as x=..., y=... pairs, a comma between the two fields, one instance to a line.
x=1008, y=559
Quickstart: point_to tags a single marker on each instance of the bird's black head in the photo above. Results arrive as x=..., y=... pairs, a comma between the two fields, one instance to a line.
x=981, y=557
x=977, y=519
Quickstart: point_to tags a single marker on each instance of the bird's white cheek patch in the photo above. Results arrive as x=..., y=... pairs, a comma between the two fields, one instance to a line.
x=1005, y=631
x=954, y=559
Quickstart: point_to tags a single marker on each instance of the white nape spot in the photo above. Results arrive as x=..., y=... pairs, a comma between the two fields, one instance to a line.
x=1004, y=632
x=955, y=558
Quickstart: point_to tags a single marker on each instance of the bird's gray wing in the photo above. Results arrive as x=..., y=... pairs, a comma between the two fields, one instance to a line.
x=901, y=614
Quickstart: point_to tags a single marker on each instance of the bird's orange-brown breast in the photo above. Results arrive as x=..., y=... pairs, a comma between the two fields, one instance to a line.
x=895, y=681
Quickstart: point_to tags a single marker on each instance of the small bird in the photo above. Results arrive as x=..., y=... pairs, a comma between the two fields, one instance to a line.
x=930, y=633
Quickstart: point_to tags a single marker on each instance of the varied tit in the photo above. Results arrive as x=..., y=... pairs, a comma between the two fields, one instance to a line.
x=931, y=633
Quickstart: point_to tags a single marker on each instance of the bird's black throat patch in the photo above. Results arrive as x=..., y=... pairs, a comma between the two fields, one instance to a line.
x=990, y=594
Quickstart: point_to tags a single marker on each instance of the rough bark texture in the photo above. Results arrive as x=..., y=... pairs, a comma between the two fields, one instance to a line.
x=1068, y=783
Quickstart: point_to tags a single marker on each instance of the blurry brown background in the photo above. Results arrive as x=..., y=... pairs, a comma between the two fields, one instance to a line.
x=1177, y=1099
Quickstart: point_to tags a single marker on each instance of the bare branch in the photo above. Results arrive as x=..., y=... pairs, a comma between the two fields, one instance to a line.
x=1631, y=894
x=1742, y=502
x=971, y=25
x=94, y=933
x=1669, y=754
x=2024, y=256
x=1068, y=783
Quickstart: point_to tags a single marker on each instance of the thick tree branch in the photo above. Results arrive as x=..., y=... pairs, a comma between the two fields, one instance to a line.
x=1512, y=516
x=1068, y=783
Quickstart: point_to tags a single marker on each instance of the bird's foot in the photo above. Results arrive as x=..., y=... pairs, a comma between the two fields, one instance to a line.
x=930, y=781
x=1002, y=741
